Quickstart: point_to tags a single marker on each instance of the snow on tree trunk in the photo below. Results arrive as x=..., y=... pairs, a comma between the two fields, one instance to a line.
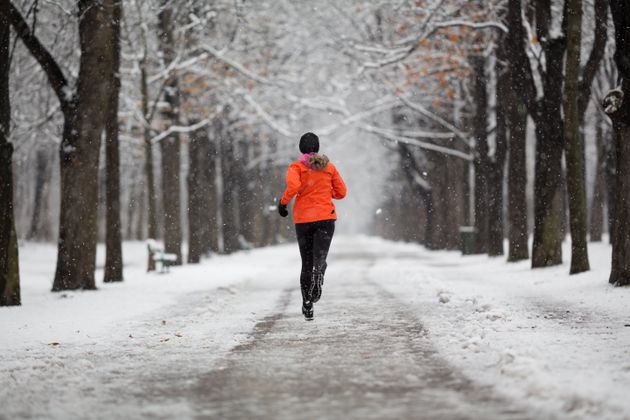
x=617, y=106
x=9, y=269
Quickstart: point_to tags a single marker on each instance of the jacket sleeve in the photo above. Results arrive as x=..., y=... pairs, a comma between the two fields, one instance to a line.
x=339, y=187
x=293, y=185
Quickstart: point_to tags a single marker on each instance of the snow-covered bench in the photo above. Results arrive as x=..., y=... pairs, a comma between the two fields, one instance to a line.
x=157, y=255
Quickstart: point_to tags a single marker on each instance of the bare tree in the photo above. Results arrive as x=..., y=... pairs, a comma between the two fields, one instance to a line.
x=574, y=141
x=9, y=270
x=83, y=126
x=170, y=146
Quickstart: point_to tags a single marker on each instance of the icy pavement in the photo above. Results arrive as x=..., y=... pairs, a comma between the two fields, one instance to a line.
x=399, y=333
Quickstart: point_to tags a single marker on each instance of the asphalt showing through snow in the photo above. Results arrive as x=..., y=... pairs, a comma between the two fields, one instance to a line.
x=365, y=356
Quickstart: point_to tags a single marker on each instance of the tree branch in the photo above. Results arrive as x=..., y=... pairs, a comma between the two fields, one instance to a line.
x=597, y=53
x=473, y=25
x=179, y=129
x=412, y=171
x=52, y=70
x=430, y=115
x=414, y=142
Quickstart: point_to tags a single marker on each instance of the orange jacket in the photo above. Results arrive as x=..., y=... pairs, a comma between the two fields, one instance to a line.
x=315, y=181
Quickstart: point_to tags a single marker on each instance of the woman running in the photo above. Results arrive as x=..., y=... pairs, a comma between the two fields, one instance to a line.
x=314, y=181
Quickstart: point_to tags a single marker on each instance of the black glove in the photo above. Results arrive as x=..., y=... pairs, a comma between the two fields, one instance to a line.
x=282, y=209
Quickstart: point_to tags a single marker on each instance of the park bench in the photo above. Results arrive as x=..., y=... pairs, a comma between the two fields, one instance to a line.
x=157, y=255
x=244, y=244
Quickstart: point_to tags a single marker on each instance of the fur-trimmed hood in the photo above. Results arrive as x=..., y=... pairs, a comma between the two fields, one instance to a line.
x=315, y=161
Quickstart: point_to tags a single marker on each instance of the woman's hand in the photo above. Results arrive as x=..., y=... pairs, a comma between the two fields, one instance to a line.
x=282, y=209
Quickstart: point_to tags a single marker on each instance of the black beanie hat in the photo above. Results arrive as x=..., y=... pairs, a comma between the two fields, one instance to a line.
x=309, y=143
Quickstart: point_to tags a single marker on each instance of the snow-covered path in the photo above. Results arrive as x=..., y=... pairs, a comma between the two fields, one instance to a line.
x=365, y=356
x=399, y=333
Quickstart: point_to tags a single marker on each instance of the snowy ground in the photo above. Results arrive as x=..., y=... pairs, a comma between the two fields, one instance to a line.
x=400, y=332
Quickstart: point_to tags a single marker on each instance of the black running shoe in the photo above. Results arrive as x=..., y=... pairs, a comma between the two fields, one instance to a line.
x=307, y=310
x=318, y=281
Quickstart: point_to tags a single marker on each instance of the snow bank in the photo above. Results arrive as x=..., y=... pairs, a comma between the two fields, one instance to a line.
x=76, y=316
x=78, y=354
x=559, y=342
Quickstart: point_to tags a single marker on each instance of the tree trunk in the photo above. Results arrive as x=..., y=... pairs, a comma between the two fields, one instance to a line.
x=140, y=208
x=574, y=142
x=79, y=151
x=620, y=269
x=518, y=94
x=248, y=195
x=596, y=225
x=272, y=225
x=170, y=146
x=548, y=176
x=480, y=100
x=497, y=166
x=229, y=196
x=617, y=106
x=198, y=194
x=131, y=206
x=611, y=186
x=171, y=196
x=517, y=182
x=40, y=225
x=211, y=238
x=113, y=234
x=548, y=195
x=433, y=226
x=586, y=81
x=454, y=193
x=9, y=268
x=434, y=200
x=152, y=224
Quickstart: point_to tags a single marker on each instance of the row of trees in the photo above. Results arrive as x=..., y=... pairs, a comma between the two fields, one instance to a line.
x=153, y=72
x=210, y=97
x=535, y=64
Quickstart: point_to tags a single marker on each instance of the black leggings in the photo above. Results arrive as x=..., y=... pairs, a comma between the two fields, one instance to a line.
x=314, y=241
